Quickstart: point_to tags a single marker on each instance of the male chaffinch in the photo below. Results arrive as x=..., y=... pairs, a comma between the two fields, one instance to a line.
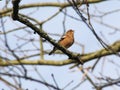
x=66, y=41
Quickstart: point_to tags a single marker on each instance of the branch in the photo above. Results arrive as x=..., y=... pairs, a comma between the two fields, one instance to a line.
x=47, y=4
x=100, y=53
x=29, y=78
x=85, y=58
x=9, y=83
x=109, y=83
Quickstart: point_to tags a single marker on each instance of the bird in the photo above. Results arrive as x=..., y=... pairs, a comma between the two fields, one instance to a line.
x=66, y=40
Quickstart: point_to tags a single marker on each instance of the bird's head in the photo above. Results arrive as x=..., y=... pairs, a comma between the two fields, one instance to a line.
x=70, y=32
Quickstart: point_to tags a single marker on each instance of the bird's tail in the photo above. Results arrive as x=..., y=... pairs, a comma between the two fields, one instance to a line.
x=54, y=49
x=51, y=52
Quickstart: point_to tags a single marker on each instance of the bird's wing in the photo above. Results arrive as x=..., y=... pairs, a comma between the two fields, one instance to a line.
x=62, y=38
